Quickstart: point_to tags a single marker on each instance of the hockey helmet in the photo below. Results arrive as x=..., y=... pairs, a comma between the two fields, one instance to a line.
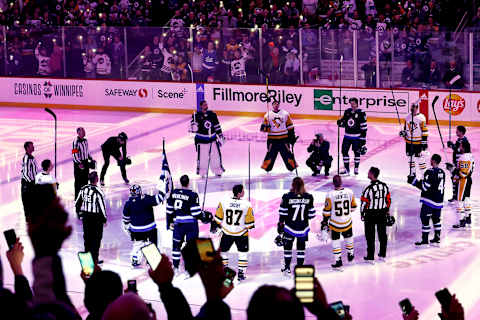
x=390, y=220
x=135, y=190
x=122, y=135
x=363, y=150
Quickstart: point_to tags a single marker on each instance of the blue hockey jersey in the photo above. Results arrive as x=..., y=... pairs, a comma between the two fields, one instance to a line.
x=183, y=206
x=432, y=186
x=138, y=212
x=355, y=124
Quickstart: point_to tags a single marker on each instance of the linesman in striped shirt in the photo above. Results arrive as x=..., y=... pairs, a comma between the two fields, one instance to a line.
x=29, y=171
x=81, y=157
x=90, y=207
x=374, y=210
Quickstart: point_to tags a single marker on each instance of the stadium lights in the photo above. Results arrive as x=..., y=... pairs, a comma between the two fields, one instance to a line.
x=142, y=57
x=80, y=37
x=164, y=34
x=98, y=29
x=100, y=15
x=239, y=9
x=277, y=26
x=54, y=40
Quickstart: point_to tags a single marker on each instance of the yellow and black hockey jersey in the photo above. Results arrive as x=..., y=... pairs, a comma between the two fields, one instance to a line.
x=235, y=216
x=466, y=164
x=339, y=204
x=416, y=130
x=280, y=123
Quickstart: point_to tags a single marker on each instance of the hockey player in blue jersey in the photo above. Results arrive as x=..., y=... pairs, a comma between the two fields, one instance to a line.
x=183, y=213
x=139, y=220
x=432, y=186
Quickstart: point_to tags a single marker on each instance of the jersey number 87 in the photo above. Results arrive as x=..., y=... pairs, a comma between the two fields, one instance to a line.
x=229, y=216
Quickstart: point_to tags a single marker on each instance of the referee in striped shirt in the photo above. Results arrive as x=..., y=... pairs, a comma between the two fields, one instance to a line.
x=375, y=208
x=29, y=171
x=81, y=156
x=90, y=207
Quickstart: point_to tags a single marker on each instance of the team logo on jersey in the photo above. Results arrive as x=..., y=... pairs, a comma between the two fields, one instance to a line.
x=455, y=102
x=47, y=89
x=277, y=122
x=350, y=122
x=207, y=124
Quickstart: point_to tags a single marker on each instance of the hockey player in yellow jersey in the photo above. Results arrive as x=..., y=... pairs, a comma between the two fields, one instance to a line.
x=415, y=133
x=281, y=134
x=463, y=179
x=235, y=217
x=339, y=204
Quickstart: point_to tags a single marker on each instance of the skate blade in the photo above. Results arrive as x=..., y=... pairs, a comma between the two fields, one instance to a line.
x=337, y=269
x=436, y=245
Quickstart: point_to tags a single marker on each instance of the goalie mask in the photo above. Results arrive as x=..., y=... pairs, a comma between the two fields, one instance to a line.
x=135, y=190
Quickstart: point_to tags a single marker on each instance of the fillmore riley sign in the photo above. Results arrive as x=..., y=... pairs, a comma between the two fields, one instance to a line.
x=239, y=95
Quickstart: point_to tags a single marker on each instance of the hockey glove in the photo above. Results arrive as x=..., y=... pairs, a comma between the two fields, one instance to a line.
x=340, y=123
x=402, y=133
x=206, y=216
x=324, y=235
x=410, y=179
x=214, y=227
x=265, y=127
x=126, y=228
x=450, y=144
x=279, y=240
x=280, y=227
x=194, y=127
x=363, y=150
x=390, y=220
x=92, y=164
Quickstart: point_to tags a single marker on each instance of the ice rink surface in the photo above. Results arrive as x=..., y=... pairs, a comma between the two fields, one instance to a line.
x=372, y=292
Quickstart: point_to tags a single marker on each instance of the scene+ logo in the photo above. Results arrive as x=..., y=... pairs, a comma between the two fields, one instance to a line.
x=456, y=103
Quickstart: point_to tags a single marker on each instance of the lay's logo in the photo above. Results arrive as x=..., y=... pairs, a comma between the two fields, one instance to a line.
x=455, y=103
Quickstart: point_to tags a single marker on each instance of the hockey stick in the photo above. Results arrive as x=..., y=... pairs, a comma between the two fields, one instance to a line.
x=249, y=171
x=340, y=114
x=55, y=120
x=295, y=161
x=438, y=126
x=393, y=96
x=451, y=83
x=208, y=169
x=411, y=143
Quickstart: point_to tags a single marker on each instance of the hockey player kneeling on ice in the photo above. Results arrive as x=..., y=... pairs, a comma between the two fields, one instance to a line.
x=235, y=217
x=354, y=121
x=296, y=211
x=433, y=187
x=463, y=181
x=208, y=140
x=320, y=156
x=183, y=213
x=339, y=204
x=415, y=132
x=281, y=134
x=139, y=220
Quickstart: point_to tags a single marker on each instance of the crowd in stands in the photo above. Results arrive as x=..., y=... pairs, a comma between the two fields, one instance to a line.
x=235, y=41
x=105, y=297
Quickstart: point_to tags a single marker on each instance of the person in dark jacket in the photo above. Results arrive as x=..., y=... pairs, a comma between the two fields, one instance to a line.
x=433, y=76
x=319, y=148
x=453, y=77
x=111, y=148
x=139, y=220
x=407, y=75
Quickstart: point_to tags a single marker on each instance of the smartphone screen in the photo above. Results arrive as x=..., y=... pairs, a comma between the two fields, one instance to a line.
x=229, y=275
x=86, y=262
x=339, y=309
x=132, y=285
x=406, y=306
x=444, y=297
x=11, y=238
x=304, y=283
x=152, y=254
x=205, y=249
